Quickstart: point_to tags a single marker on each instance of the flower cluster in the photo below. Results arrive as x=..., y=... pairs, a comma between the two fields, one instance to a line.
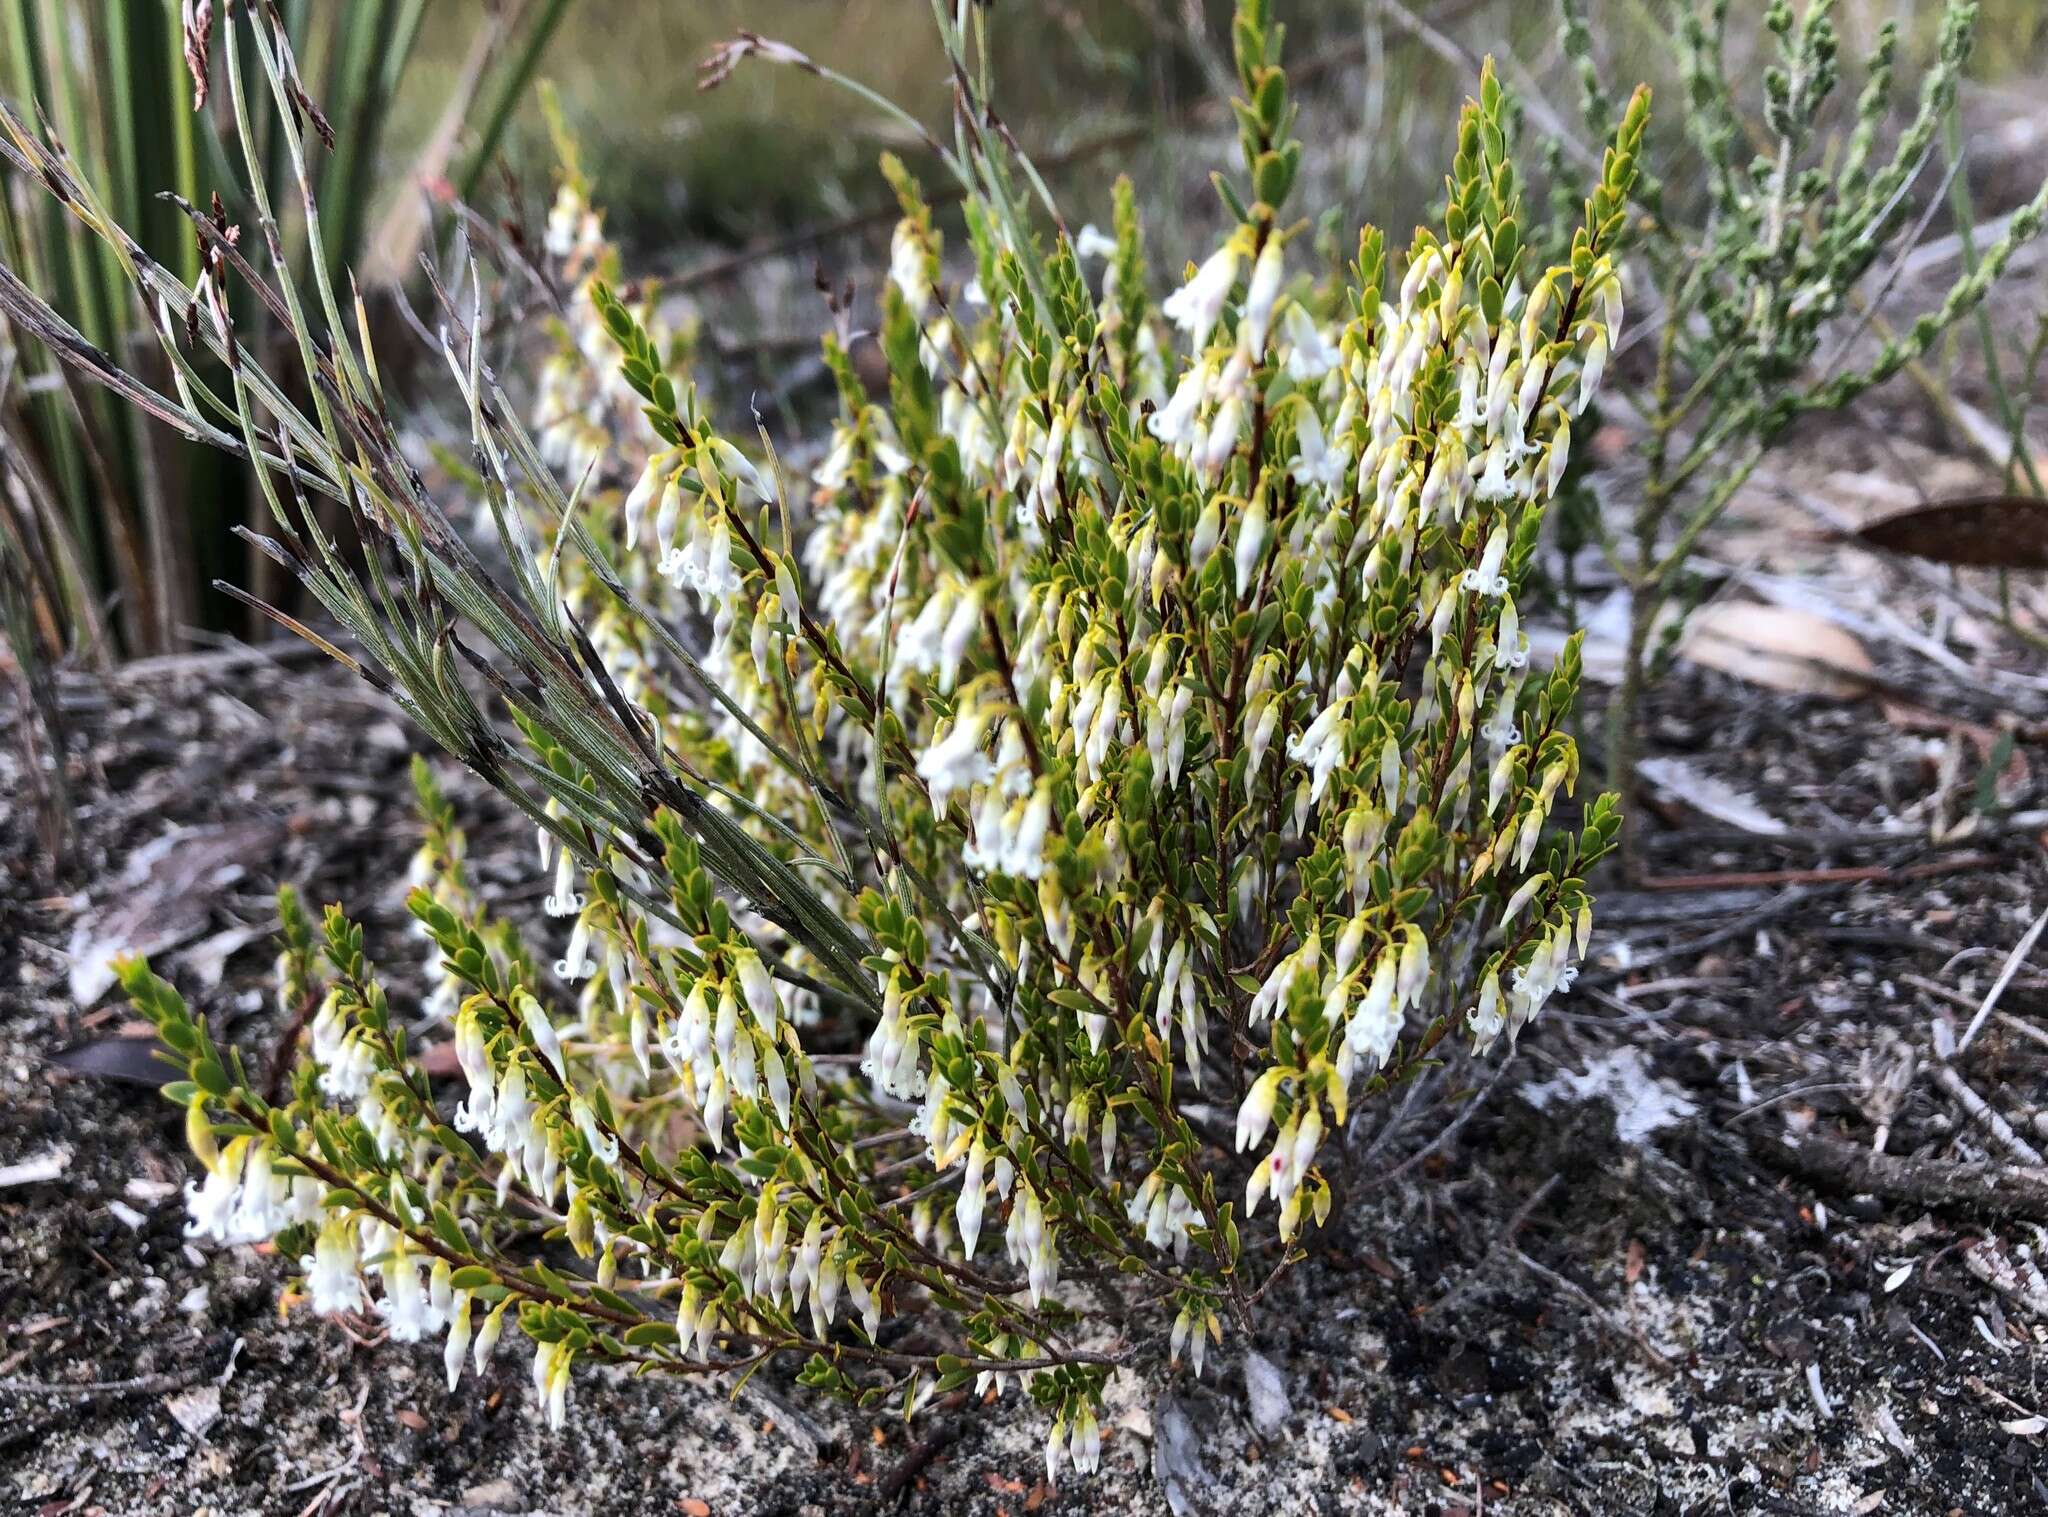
x=1126, y=716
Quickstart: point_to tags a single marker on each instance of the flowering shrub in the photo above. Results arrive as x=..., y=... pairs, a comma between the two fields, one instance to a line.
x=1765, y=274
x=987, y=888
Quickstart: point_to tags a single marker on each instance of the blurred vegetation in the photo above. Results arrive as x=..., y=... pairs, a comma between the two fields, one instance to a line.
x=771, y=150
x=769, y=153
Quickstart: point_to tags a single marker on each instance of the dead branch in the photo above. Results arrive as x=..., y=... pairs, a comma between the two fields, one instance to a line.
x=1997, y=1189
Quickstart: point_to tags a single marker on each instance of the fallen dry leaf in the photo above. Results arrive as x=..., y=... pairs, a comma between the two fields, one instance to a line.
x=1978, y=532
x=195, y=1410
x=162, y=899
x=2008, y=1271
x=1686, y=782
x=131, y=1061
x=1778, y=647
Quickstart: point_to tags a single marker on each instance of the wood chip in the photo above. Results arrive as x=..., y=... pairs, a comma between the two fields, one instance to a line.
x=39, y=1170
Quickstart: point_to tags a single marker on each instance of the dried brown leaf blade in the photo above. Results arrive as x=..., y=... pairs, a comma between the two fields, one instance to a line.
x=1976, y=532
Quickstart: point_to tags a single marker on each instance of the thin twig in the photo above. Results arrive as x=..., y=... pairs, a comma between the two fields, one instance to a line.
x=1450, y=1130
x=1847, y=875
x=2011, y=967
x=2001, y=1130
x=98, y=1390
x=1607, y=1317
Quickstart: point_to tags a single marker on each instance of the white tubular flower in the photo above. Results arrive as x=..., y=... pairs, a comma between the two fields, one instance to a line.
x=1045, y=491
x=1443, y=491
x=759, y=987
x=1260, y=295
x=1350, y=941
x=407, y=1311
x=1257, y=1111
x=563, y=901
x=560, y=238
x=1221, y=439
x=1197, y=305
x=533, y=1016
x=1174, y=423
x=1024, y=854
x=1522, y=897
x=666, y=515
x=1208, y=532
x=1495, y=483
x=1375, y=1024
x=1594, y=366
x=637, y=1037
x=1182, y=699
x=487, y=1339
x=1486, y=578
x=918, y=644
x=776, y=1078
x=1316, y=462
x=551, y=1382
x=719, y=578
x=1084, y=1444
x=643, y=494
x=910, y=267
x=1534, y=375
x=1093, y=242
x=1610, y=297
x=714, y=1112
x=1321, y=745
x=1488, y=1019
x=1251, y=542
x=331, y=1269
x=967, y=1209
x=1272, y=996
x=743, y=470
x=211, y=1206
x=458, y=1339
x=1559, y=456
x=956, y=762
x=1511, y=649
x=1310, y=354
x=1262, y=720
x=1308, y=1136
x=960, y=629
x=1413, y=974
x=576, y=963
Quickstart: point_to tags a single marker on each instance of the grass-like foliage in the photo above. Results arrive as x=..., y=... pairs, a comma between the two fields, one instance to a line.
x=989, y=888
x=97, y=516
x=1765, y=273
